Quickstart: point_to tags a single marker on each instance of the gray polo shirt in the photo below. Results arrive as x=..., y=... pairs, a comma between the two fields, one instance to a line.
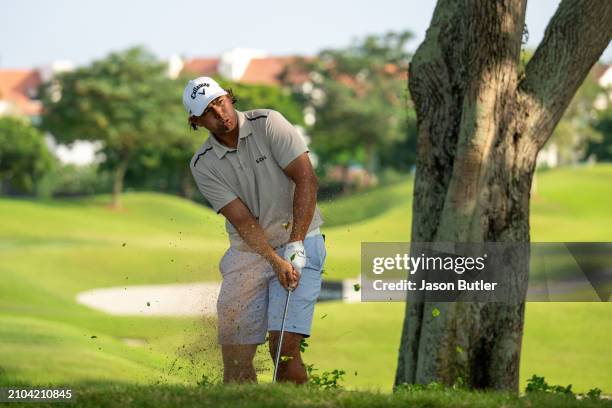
x=267, y=143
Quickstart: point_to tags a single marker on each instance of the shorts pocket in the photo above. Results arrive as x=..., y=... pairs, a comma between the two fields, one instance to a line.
x=316, y=253
x=223, y=261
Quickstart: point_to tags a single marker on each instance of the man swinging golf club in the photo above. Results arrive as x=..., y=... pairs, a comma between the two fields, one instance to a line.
x=254, y=169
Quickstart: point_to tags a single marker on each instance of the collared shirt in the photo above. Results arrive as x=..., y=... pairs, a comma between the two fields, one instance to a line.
x=253, y=172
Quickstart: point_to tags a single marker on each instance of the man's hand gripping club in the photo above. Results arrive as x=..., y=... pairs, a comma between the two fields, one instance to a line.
x=295, y=254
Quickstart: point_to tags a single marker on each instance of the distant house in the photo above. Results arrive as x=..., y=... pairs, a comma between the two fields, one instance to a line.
x=19, y=97
x=603, y=74
x=249, y=66
x=18, y=89
x=201, y=66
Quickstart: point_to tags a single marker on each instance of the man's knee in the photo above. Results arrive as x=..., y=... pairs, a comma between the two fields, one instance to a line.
x=238, y=363
x=236, y=355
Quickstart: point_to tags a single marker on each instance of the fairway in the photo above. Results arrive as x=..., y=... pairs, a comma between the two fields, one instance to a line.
x=52, y=250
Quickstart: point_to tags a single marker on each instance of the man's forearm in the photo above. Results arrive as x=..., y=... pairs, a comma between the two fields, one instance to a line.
x=252, y=233
x=304, y=203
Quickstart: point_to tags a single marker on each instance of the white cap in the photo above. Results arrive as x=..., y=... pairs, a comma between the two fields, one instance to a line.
x=199, y=93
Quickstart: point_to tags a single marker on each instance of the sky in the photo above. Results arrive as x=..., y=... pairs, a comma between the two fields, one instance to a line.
x=36, y=32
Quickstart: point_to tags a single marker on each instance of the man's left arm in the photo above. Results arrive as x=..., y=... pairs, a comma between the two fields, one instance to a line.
x=291, y=154
x=300, y=171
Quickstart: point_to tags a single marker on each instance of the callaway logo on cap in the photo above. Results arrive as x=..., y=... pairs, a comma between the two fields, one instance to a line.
x=199, y=93
x=195, y=92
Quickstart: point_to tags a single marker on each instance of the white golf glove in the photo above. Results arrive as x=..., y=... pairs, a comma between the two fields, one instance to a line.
x=295, y=253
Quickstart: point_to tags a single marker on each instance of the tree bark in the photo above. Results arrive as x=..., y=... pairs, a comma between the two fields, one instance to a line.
x=370, y=150
x=480, y=128
x=187, y=184
x=118, y=182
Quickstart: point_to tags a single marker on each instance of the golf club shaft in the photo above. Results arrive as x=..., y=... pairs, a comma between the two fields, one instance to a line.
x=280, y=340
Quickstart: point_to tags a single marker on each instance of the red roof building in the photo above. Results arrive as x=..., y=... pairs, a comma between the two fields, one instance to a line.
x=266, y=71
x=18, y=90
x=202, y=66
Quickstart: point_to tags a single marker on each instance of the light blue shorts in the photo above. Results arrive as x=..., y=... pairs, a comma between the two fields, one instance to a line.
x=252, y=300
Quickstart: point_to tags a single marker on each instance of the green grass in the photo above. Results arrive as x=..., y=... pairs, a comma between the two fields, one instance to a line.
x=363, y=339
x=129, y=395
x=65, y=347
x=52, y=250
x=572, y=204
x=364, y=205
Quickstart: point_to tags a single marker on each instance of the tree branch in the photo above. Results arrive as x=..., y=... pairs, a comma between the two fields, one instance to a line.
x=574, y=40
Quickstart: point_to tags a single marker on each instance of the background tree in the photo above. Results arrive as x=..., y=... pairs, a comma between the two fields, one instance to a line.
x=125, y=100
x=165, y=169
x=255, y=96
x=162, y=164
x=602, y=148
x=481, y=123
x=360, y=99
x=24, y=157
x=577, y=128
x=400, y=155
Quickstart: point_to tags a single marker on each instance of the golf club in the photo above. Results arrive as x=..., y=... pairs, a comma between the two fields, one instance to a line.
x=280, y=340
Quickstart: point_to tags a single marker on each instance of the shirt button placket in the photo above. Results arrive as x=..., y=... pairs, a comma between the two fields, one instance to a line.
x=240, y=161
x=240, y=164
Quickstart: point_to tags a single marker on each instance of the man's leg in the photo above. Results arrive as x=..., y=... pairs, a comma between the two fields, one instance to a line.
x=299, y=314
x=238, y=362
x=242, y=313
x=292, y=369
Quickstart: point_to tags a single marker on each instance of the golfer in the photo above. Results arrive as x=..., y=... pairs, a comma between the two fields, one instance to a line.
x=254, y=169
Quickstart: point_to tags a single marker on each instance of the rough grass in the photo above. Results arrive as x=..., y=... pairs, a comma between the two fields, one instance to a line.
x=363, y=340
x=364, y=205
x=124, y=395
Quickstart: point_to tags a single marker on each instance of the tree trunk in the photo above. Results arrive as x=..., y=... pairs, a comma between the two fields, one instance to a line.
x=346, y=184
x=187, y=184
x=118, y=182
x=480, y=127
x=371, y=157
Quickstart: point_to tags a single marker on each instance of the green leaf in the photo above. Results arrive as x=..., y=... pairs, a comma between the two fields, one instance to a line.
x=292, y=257
x=303, y=345
x=357, y=287
x=435, y=312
